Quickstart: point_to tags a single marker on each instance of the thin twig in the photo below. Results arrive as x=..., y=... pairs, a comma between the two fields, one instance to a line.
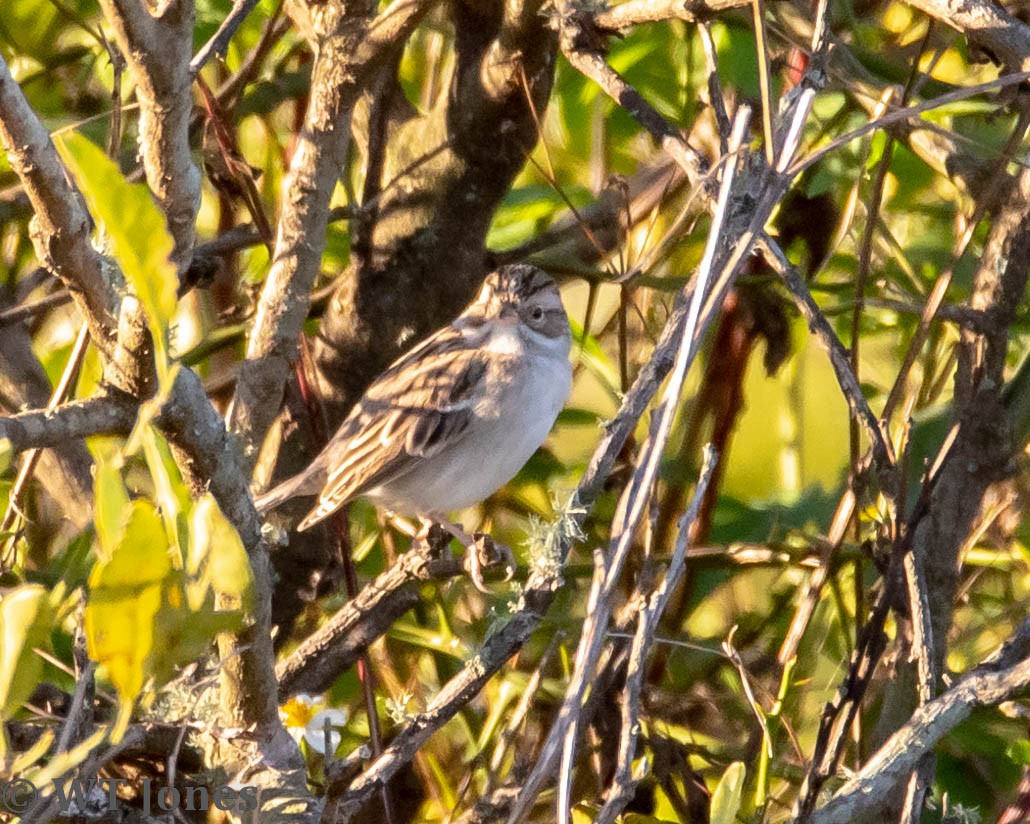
x=218, y=44
x=621, y=790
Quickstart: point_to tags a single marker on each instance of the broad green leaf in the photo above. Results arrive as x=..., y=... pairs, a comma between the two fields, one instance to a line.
x=726, y=798
x=137, y=230
x=172, y=496
x=217, y=564
x=25, y=621
x=125, y=596
x=111, y=507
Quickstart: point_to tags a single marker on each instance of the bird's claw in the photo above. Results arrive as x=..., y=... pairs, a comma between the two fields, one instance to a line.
x=483, y=552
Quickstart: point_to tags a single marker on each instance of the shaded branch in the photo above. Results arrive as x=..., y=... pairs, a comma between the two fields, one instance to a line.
x=351, y=50
x=336, y=645
x=106, y=415
x=987, y=26
x=1003, y=677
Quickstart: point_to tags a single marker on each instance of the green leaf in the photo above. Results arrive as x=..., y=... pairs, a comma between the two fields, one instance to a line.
x=172, y=496
x=217, y=565
x=138, y=233
x=726, y=798
x=25, y=619
x=1019, y=751
x=111, y=504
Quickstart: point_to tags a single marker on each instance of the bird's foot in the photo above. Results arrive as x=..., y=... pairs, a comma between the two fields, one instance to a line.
x=485, y=553
x=481, y=553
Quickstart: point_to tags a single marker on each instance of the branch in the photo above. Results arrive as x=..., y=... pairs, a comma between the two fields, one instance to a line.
x=107, y=415
x=634, y=12
x=351, y=51
x=578, y=45
x=334, y=647
x=61, y=227
x=623, y=785
x=988, y=685
x=64, y=471
x=194, y=429
x=987, y=26
x=158, y=47
x=219, y=41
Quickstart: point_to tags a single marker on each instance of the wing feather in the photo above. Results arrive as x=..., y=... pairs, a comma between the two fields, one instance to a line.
x=422, y=404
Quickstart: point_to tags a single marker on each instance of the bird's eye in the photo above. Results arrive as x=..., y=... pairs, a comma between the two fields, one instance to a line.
x=537, y=313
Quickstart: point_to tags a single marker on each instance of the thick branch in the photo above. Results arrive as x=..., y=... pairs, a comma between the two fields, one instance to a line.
x=189, y=421
x=61, y=226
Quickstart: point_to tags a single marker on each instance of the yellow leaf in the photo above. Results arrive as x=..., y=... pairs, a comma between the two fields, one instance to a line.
x=124, y=599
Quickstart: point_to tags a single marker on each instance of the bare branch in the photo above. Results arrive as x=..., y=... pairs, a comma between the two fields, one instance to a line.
x=634, y=12
x=987, y=26
x=990, y=684
x=351, y=51
x=219, y=41
x=61, y=226
x=335, y=646
x=622, y=786
x=158, y=47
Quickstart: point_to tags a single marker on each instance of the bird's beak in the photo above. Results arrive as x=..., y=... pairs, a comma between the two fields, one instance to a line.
x=509, y=315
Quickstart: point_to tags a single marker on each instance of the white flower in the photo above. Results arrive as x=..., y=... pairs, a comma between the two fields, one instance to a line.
x=325, y=725
x=307, y=717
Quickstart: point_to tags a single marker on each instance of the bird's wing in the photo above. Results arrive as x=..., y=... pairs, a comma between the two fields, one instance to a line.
x=422, y=404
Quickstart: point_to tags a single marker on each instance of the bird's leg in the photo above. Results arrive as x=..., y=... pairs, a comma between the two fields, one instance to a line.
x=406, y=527
x=481, y=551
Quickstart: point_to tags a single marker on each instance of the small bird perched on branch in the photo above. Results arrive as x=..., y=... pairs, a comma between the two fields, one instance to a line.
x=455, y=418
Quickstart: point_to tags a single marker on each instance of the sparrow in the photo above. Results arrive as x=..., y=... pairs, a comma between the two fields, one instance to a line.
x=455, y=418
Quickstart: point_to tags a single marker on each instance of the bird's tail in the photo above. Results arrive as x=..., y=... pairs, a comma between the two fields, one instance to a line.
x=304, y=483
